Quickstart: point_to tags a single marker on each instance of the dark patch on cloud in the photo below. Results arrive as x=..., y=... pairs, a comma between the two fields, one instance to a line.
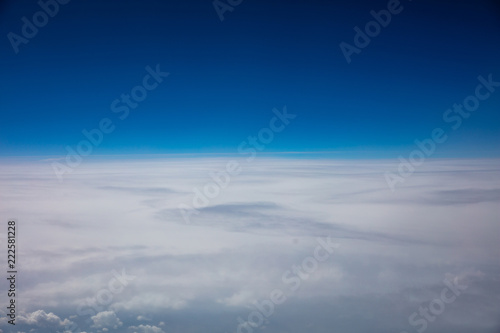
x=269, y=217
x=461, y=197
x=140, y=190
x=241, y=209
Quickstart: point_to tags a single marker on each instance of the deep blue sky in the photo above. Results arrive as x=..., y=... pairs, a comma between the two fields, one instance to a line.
x=226, y=77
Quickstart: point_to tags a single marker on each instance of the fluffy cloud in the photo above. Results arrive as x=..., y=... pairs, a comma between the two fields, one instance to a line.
x=106, y=319
x=145, y=329
x=40, y=318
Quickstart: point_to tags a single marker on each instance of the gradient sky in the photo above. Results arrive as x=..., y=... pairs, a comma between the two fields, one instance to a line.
x=226, y=77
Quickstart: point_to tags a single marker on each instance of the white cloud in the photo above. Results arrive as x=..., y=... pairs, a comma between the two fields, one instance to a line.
x=106, y=319
x=145, y=329
x=396, y=247
x=42, y=319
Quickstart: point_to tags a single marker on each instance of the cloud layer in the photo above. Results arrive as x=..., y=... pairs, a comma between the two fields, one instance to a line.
x=108, y=249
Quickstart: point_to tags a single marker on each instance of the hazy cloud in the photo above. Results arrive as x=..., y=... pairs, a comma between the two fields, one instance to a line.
x=396, y=248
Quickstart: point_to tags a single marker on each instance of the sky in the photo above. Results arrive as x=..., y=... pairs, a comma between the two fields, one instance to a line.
x=226, y=76
x=237, y=166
